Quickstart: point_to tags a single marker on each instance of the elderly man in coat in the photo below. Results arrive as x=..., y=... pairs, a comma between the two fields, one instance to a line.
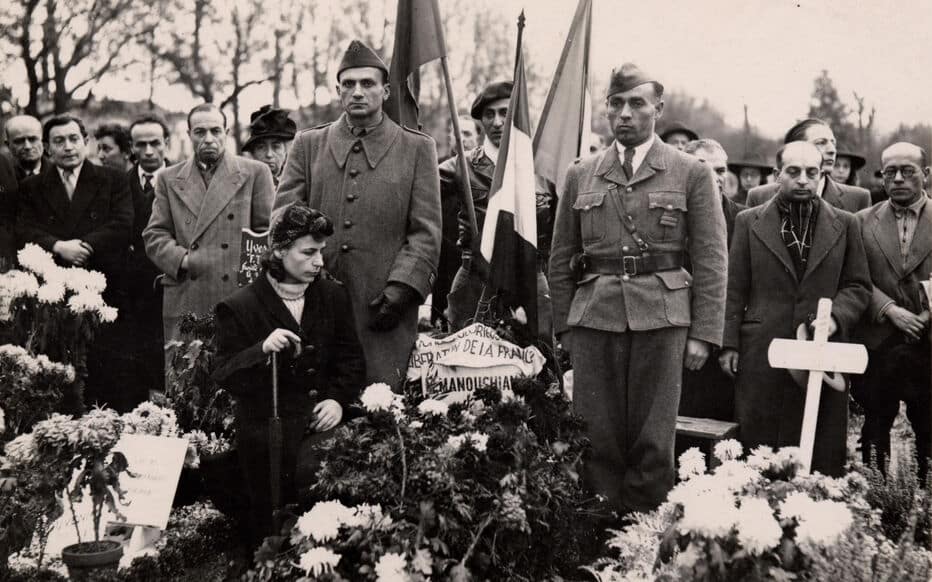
x=785, y=256
x=379, y=183
x=200, y=208
x=819, y=134
x=623, y=304
x=897, y=236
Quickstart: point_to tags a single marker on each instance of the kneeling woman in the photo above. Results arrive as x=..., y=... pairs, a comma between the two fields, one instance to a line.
x=292, y=309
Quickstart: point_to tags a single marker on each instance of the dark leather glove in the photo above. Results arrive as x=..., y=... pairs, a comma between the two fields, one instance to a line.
x=390, y=305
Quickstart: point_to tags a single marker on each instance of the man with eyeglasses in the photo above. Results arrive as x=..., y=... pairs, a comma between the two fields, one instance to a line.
x=819, y=134
x=82, y=214
x=897, y=237
x=379, y=183
x=785, y=256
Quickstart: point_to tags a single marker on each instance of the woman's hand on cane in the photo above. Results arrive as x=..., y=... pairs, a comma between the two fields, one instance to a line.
x=280, y=339
x=328, y=414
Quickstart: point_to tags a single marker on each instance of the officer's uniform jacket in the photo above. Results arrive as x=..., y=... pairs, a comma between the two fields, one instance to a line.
x=675, y=208
x=382, y=191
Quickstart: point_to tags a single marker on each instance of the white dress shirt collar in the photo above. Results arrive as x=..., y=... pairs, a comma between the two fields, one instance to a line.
x=142, y=174
x=490, y=150
x=76, y=171
x=640, y=152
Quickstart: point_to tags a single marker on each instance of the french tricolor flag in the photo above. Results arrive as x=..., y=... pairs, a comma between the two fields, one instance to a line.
x=509, y=233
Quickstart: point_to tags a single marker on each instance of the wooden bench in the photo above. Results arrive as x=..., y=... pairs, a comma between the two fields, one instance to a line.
x=707, y=431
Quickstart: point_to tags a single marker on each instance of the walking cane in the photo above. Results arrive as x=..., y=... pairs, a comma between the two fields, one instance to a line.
x=275, y=448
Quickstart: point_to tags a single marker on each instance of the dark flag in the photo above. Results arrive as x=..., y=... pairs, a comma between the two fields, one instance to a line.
x=509, y=233
x=418, y=40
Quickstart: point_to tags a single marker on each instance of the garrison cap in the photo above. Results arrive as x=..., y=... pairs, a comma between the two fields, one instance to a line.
x=269, y=122
x=627, y=77
x=492, y=92
x=677, y=127
x=359, y=55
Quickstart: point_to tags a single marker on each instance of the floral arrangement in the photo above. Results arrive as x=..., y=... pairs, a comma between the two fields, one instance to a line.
x=758, y=518
x=423, y=489
x=55, y=311
x=30, y=388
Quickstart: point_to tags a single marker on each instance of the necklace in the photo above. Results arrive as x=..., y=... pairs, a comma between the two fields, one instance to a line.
x=284, y=294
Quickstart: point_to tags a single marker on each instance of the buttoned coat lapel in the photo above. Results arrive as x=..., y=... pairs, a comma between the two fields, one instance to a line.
x=828, y=229
x=375, y=144
x=767, y=229
x=224, y=185
x=189, y=186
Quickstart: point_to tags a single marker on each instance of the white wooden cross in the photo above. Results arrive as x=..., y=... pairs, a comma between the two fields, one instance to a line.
x=817, y=356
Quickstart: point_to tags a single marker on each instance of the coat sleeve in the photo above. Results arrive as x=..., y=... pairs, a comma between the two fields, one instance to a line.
x=567, y=242
x=739, y=278
x=161, y=247
x=263, y=194
x=29, y=227
x=346, y=368
x=295, y=183
x=116, y=233
x=416, y=263
x=854, y=288
x=239, y=360
x=878, y=299
x=709, y=251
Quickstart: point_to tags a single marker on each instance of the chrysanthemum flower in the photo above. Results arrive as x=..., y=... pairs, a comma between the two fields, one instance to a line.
x=317, y=561
x=377, y=397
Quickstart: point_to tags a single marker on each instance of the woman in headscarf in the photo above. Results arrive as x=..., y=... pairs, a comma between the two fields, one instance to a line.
x=296, y=311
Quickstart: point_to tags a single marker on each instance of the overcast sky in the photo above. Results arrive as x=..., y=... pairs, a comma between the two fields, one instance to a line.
x=763, y=53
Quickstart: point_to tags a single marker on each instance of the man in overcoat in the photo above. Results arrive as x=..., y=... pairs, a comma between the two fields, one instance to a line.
x=623, y=304
x=897, y=236
x=83, y=214
x=785, y=256
x=201, y=206
x=819, y=134
x=379, y=183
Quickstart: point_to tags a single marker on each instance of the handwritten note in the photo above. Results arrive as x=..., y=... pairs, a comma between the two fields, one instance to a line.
x=155, y=463
x=252, y=246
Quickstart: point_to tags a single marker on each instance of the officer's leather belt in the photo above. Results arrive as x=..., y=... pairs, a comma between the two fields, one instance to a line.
x=634, y=264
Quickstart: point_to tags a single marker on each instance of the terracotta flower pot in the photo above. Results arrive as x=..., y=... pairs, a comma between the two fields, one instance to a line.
x=88, y=560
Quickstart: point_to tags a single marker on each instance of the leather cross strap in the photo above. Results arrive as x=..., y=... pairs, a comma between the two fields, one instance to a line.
x=633, y=265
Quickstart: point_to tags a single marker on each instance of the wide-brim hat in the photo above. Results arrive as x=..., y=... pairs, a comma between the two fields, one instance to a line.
x=492, y=92
x=677, y=127
x=857, y=161
x=750, y=160
x=269, y=122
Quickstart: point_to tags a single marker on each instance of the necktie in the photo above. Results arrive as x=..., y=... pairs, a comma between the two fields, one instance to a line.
x=147, y=187
x=628, y=166
x=68, y=175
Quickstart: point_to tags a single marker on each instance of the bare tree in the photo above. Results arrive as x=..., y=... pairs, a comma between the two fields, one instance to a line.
x=67, y=46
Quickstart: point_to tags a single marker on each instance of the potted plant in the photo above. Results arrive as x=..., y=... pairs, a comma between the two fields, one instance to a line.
x=98, y=474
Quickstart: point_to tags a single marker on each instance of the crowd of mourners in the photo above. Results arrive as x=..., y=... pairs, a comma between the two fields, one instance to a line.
x=666, y=268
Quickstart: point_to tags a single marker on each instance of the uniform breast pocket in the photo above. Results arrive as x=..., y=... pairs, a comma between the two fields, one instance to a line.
x=591, y=208
x=667, y=215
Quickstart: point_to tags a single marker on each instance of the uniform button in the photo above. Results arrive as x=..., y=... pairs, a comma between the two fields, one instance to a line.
x=587, y=207
x=625, y=249
x=347, y=223
x=194, y=277
x=686, y=283
x=625, y=278
x=353, y=173
x=629, y=189
x=187, y=221
x=224, y=246
x=351, y=197
x=193, y=246
x=669, y=207
x=345, y=248
x=357, y=148
x=225, y=277
x=231, y=216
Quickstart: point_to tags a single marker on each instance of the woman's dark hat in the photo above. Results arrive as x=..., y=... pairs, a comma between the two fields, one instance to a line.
x=750, y=160
x=677, y=127
x=857, y=161
x=269, y=122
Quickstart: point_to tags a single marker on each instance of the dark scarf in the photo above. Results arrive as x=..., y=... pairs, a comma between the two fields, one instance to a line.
x=797, y=225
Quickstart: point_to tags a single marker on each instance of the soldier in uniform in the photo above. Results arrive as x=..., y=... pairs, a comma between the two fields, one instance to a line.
x=379, y=183
x=623, y=304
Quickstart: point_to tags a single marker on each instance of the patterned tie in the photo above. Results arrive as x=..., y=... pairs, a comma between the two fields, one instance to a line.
x=147, y=187
x=628, y=166
x=68, y=175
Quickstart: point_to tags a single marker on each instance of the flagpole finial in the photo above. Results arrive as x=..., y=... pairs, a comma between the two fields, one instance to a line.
x=521, y=19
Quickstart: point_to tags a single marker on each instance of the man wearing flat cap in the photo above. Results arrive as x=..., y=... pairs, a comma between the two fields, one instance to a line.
x=678, y=135
x=490, y=109
x=630, y=314
x=270, y=134
x=378, y=182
